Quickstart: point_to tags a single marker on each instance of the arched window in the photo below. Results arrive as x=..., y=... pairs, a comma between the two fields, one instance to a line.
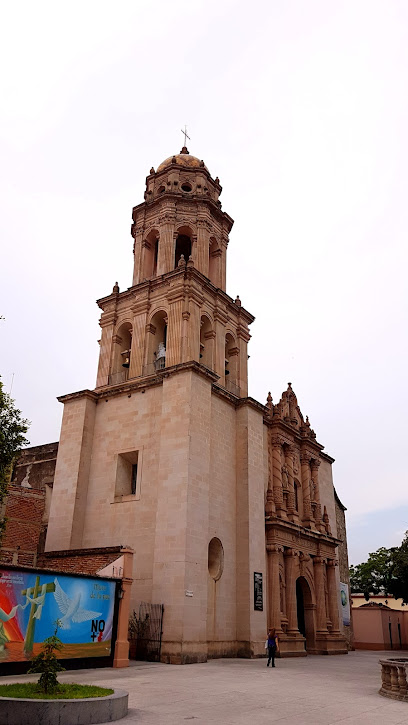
x=122, y=353
x=156, y=344
x=207, y=335
x=183, y=247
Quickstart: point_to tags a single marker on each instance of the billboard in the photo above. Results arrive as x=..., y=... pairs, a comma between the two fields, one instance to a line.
x=31, y=602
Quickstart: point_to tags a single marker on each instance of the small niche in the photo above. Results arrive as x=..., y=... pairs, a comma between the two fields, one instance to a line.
x=215, y=558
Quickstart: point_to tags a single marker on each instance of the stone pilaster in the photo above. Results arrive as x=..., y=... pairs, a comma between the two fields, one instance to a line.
x=321, y=615
x=292, y=513
x=220, y=319
x=167, y=244
x=175, y=326
x=277, y=477
x=307, y=505
x=274, y=610
x=140, y=311
x=291, y=602
x=332, y=589
x=316, y=496
x=243, y=337
x=107, y=323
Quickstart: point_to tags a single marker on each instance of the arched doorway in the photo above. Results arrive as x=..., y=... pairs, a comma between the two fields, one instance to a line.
x=305, y=612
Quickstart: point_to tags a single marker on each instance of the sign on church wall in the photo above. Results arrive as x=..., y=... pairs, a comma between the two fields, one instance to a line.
x=258, y=591
x=345, y=603
x=31, y=602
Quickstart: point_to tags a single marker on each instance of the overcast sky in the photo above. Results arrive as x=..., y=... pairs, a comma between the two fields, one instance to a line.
x=301, y=109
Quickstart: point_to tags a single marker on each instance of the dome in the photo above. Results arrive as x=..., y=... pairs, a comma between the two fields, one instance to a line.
x=182, y=159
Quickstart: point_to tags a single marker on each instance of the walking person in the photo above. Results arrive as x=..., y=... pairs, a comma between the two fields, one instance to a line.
x=272, y=645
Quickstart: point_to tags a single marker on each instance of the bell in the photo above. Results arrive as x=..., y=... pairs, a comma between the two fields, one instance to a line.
x=126, y=359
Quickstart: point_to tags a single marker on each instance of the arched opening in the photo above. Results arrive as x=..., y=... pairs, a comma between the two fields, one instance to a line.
x=231, y=364
x=121, y=357
x=207, y=335
x=305, y=612
x=183, y=246
x=214, y=262
x=156, y=344
x=150, y=248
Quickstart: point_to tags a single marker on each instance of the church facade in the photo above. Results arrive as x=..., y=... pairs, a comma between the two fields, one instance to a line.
x=228, y=504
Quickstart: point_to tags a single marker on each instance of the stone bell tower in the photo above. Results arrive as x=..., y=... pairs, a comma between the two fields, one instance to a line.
x=177, y=309
x=167, y=454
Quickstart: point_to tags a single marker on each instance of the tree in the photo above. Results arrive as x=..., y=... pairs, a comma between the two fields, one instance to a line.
x=374, y=576
x=399, y=583
x=12, y=430
x=47, y=663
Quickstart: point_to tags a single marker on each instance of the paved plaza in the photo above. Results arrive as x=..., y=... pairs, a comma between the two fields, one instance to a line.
x=314, y=690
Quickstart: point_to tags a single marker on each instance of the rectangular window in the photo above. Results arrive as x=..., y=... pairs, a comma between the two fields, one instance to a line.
x=128, y=470
x=134, y=478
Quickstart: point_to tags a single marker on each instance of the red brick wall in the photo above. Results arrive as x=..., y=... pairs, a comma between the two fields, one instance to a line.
x=80, y=561
x=24, y=513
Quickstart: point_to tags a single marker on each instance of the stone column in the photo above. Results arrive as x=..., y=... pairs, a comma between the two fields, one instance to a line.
x=316, y=496
x=274, y=613
x=291, y=602
x=277, y=476
x=332, y=589
x=305, y=474
x=321, y=616
x=107, y=323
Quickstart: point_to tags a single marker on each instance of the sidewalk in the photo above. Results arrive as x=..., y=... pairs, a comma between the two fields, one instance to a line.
x=315, y=690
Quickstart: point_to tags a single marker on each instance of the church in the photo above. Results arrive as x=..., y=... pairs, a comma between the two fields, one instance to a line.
x=227, y=503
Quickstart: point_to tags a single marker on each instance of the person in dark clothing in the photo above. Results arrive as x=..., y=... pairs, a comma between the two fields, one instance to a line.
x=272, y=646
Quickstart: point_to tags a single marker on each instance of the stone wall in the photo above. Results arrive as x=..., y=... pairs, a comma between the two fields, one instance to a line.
x=342, y=554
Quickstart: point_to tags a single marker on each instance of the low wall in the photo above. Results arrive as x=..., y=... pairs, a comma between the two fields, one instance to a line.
x=88, y=711
x=379, y=628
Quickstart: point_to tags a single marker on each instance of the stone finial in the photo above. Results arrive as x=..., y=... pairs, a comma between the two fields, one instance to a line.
x=238, y=301
x=181, y=261
x=202, y=163
x=115, y=290
x=185, y=150
x=174, y=160
x=325, y=516
x=217, y=181
x=152, y=170
x=289, y=386
x=307, y=421
x=269, y=401
x=190, y=262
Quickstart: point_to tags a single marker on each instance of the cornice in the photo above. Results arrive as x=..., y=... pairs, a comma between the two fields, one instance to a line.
x=90, y=394
x=300, y=531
